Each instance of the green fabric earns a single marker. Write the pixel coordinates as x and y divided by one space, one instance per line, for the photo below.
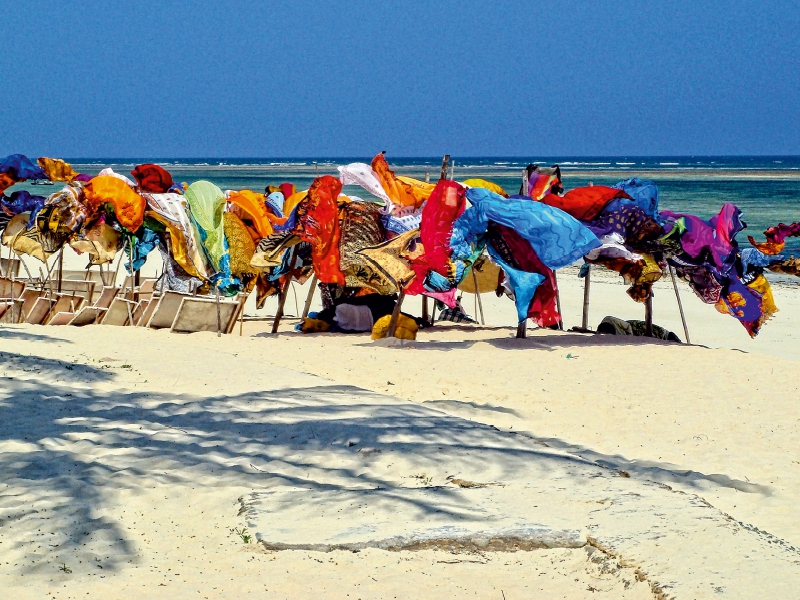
206 204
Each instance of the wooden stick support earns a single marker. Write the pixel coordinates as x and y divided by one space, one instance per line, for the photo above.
558 303
478 295
425 315
680 304
219 313
284 294
586 286
395 315
522 329
445 164
648 315
310 297
60 268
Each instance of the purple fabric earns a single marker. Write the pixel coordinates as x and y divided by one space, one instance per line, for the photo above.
20 167
627 219
717 235
83 177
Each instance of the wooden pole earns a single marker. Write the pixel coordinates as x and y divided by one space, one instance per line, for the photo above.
648 314
425 315
586 286
680 304
241 314
310 297
558 303
395 314
219 312
60 268
283 294
522 329
445 163
478 294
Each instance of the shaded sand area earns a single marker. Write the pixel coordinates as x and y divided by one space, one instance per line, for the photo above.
466 464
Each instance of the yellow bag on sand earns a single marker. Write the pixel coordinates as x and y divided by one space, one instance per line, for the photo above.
406 328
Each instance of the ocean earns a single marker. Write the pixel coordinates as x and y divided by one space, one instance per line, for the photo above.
765 188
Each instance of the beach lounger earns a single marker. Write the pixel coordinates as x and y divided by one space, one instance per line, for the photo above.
119 313
10 289
9 267
95 312
164 312
65 308
40 310
200 314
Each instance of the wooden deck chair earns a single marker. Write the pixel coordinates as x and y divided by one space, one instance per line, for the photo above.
148 311
11 311
200 314
79 288
119 313
164 312
10 289
40 310
95 312
65 308
29 298
9 267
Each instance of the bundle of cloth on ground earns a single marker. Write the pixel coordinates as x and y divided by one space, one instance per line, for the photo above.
409 236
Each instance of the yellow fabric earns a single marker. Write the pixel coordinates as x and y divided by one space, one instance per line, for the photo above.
240 245
178 244
483 183
406 328
100 241
14 236
399 191
293 200
314 325
255 207
487 273
420 189
56 169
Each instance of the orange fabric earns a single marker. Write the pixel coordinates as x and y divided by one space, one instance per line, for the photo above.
584 203
128 205
292 201
318 224
255 207
399 192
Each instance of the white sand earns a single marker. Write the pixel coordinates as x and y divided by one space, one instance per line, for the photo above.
103 475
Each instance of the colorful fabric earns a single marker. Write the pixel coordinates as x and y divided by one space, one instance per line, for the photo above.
482 183
398 191
365 176
240 246
56 169
518 255
542 181
29 240
557 238
361 227
171 210
745 304
643 193
256 208
128 205
392 259
627 220
19 167
100 241
206 206
445 205
318 224
776 238
152 178
584 203
275 201
67 211
21 201
138 247
715 236
406 328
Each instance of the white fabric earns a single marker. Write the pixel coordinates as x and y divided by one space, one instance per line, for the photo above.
363 175
353 318
110 172
612 246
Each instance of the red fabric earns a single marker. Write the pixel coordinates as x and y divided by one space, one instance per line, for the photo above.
776 238
445 205
287 189
585 203
544 308
318 224
152 178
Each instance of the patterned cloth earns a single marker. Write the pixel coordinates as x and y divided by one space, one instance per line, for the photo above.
186 248
56 169
152 178
318 224
128 205
361 228
584 203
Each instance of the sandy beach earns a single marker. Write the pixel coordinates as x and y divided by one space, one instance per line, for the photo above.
464 464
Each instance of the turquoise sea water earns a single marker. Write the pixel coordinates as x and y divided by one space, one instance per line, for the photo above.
766 189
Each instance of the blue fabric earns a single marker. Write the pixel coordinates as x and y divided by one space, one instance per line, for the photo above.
20 167
644 194
523 283
756 258
223 279
557 238
276 201
141 245
20 202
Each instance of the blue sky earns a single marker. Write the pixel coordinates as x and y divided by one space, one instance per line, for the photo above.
261 78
